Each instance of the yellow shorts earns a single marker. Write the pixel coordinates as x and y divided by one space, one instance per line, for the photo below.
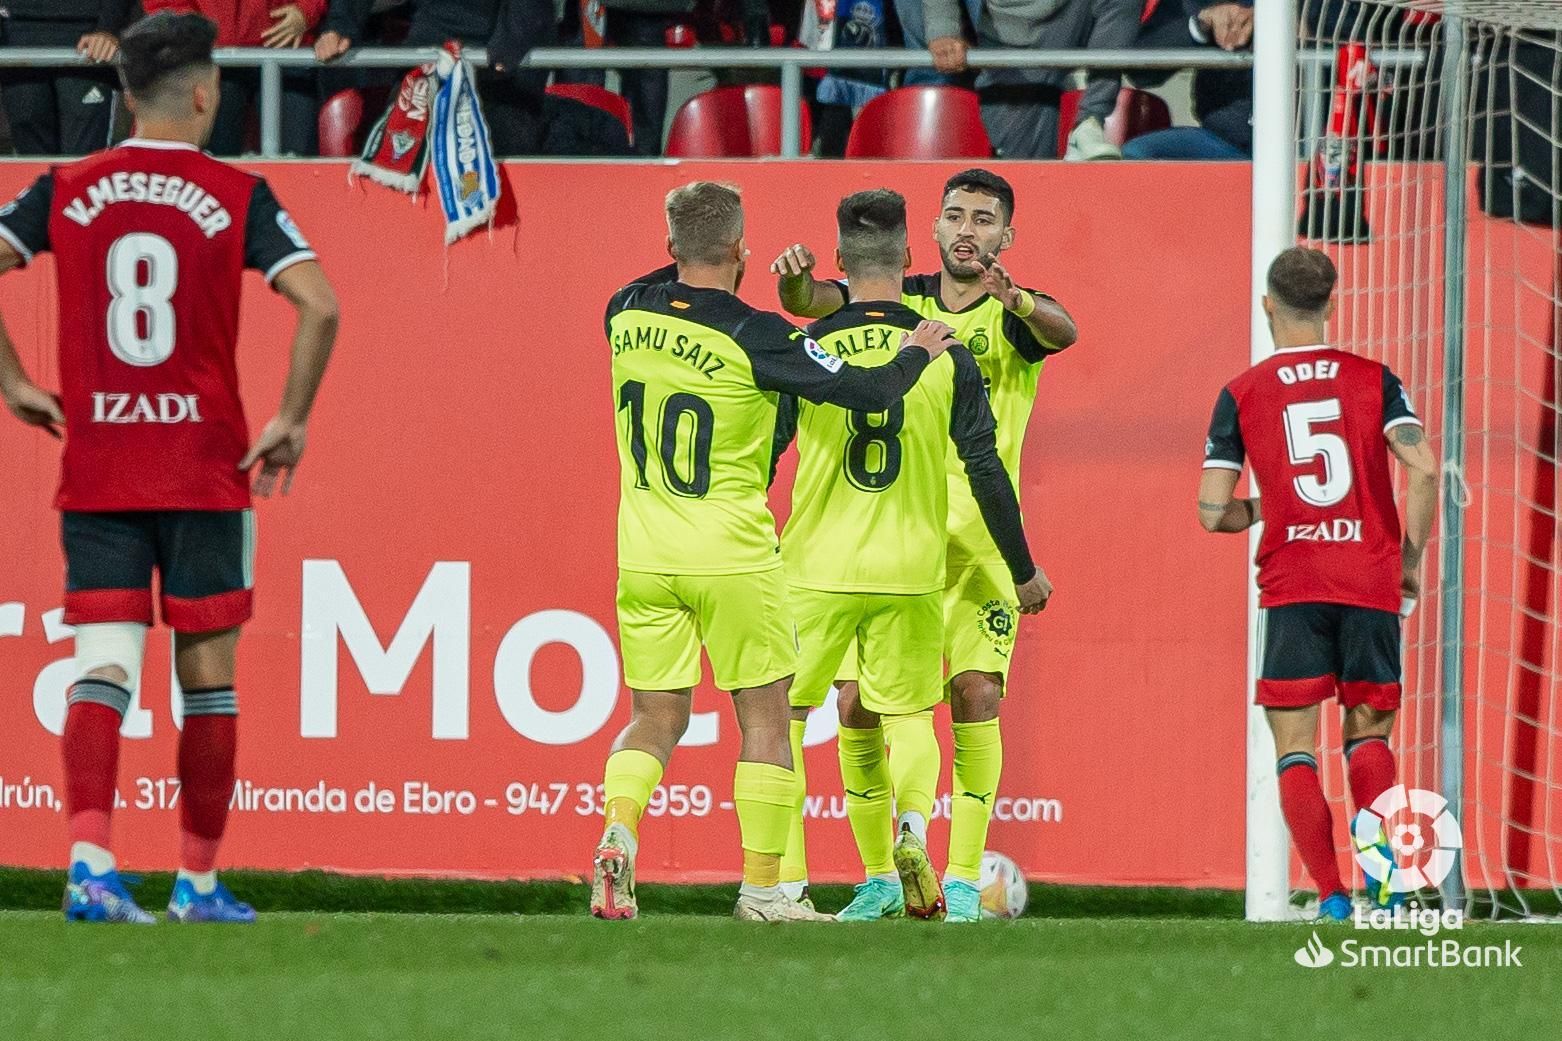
900 668
981 616
744 621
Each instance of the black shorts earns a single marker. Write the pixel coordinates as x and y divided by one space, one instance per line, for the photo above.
205 559
1313 652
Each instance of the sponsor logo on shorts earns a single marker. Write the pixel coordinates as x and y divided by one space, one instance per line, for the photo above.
995 619
145 408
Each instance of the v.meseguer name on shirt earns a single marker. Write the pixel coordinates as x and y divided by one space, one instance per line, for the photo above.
158 189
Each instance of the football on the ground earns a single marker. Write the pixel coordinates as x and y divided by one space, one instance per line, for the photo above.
1004 891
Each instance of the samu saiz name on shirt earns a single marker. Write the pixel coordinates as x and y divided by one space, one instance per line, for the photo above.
698 356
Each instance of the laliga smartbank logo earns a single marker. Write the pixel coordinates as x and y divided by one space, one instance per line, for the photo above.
1408 840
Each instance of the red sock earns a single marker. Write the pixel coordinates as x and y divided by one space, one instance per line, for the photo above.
1370 763
206 753
1312 825
90 748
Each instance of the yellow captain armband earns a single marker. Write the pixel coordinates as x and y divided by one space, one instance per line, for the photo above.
1027 305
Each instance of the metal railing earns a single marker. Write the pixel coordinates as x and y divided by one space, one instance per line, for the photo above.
790 62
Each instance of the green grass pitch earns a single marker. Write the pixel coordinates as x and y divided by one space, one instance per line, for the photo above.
385 977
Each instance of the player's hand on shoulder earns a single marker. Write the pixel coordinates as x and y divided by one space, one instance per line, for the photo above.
795 262
35 406
279 447
1035 593
933 337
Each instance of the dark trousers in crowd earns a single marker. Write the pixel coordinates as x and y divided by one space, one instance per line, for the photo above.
644 89
239 103
55 112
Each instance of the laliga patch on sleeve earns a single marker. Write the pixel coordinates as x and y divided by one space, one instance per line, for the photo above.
291 230
827 361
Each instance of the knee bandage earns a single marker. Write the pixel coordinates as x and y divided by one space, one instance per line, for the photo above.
103 644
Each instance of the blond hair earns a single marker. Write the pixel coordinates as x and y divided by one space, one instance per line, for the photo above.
704 221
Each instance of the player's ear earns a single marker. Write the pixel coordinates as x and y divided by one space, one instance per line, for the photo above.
1008 238
840 262
670 251
905 263
1328 312
1269 307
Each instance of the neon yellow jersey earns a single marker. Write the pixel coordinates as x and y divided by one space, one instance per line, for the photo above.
1011 359
870 501
697 375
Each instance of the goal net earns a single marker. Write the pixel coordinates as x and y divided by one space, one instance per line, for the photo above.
1454 283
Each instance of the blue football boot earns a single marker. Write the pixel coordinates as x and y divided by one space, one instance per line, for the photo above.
100 898
188 906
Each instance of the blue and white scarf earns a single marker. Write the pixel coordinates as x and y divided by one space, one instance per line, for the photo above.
451 133
462 152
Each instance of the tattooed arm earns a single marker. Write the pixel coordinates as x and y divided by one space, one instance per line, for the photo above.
1408 442
1218 511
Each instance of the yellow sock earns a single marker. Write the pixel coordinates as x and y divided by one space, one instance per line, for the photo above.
764 795
627 782
794 862
978 764
914 761
865 776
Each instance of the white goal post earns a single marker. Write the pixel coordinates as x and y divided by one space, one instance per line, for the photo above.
1419 142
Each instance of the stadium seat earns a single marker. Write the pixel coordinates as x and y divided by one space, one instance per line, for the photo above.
763 103
615 105
341 117
712 125
732 122
1138 113
920 123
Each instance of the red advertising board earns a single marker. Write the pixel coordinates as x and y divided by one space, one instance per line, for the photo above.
431 681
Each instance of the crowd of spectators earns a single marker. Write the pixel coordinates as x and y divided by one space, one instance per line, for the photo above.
74 110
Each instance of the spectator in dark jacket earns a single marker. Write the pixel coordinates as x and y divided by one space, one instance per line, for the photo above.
260 23
646 23
511 96
1020 106
70 111
1222 98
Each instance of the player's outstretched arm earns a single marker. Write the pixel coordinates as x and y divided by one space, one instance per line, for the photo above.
974 431
783 359
874 390
27 401
281 444
1046 319
801 293
1408 443
1218 510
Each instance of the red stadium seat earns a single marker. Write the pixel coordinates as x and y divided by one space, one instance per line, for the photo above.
615 105
732 122
920 123
763 103
712 125
341 117
1138 113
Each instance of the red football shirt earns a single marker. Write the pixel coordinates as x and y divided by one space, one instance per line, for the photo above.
1311 421
151 240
